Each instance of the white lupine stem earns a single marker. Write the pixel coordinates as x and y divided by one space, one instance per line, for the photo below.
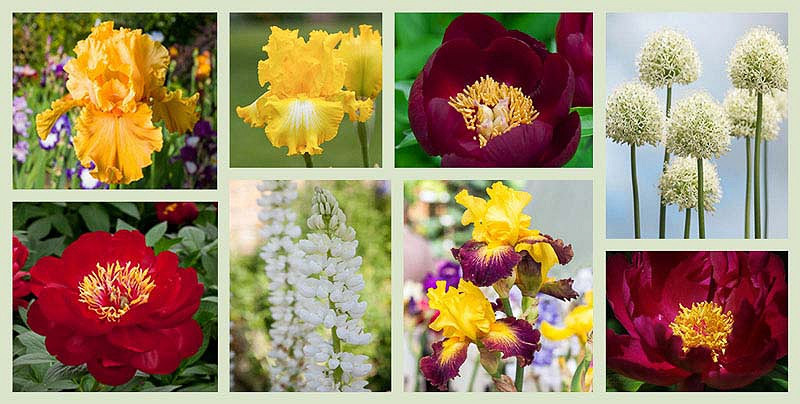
281 254
328 299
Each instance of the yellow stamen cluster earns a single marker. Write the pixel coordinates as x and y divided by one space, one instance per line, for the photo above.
704 325
112 290
170 208
492 109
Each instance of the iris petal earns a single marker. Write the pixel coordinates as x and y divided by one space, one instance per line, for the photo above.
485 265
513 337
445 362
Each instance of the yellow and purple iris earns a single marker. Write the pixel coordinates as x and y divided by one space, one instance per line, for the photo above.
464 316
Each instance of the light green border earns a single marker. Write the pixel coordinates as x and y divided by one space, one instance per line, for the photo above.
388 7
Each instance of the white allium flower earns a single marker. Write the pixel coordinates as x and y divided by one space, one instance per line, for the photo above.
678 184
281 256
328 299
759 61
633 115
668 57
781 99
698 127
740 107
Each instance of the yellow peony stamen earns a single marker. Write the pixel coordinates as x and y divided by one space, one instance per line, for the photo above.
492 109
704 325
112 290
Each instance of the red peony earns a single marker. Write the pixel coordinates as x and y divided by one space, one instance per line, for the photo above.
696 319
492 97
112 303
574 42
21 286
176 212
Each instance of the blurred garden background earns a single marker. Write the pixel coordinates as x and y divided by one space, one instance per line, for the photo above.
562 209
250 146
367 206
43 43
417 35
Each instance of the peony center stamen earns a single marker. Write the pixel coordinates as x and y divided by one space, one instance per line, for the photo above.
704 325
112 290
492 109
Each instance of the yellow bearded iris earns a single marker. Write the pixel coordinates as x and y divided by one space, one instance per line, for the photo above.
305 101
117 77
578 322
464 311
363 55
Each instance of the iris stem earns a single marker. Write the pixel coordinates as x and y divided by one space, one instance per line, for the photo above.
700 208
662 210
757 167
766 194
520 371
474 376
747 189
687 223
307 158
153 174
635 185
362 137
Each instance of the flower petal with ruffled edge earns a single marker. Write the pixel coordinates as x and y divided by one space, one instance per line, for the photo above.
445 362
48 118
513 337
119 145
463 311
484 265
364 57
301 124
178 113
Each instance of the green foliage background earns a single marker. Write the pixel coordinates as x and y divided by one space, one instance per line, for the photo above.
250 146
417 35
47 228
367 206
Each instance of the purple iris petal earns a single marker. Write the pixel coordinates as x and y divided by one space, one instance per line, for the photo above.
445 271
188 153
203 129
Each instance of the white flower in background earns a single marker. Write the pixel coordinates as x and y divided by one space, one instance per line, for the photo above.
740 107
759 62
328 299
698 127
280 253
668 57
678 184
633 115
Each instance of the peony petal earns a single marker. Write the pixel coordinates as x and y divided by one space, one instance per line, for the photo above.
513 62
553 98
566 138
46 119
302 124
624 354
513 337
454 66
477 28
179 114
445 362
418 118
523 146
111 374
484 265
447 131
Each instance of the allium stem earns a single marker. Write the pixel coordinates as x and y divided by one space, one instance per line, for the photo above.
757 167
635 186
662 212
307 158
362 137
747 190
687 223
766 194
700 208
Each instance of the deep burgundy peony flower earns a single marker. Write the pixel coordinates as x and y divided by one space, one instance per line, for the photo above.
21 286
112 303
695 319
574 42
492 97
176 212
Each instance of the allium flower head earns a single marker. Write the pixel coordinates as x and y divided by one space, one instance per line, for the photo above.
363 54
759 62
305 100
633 115
668 57
698 127
741 107
117 78
678 184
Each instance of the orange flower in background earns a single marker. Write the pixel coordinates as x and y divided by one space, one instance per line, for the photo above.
117 78
203 63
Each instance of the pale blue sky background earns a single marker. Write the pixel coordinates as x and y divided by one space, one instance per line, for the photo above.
714 35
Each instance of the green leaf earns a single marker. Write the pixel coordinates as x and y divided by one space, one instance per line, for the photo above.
576 385
34 359
61 385
40 228
127 208
618 382
408 140
166 388
165 243
193 238
155 234
60 371
95 217
122 225
33 341
61 224
210 265
201 387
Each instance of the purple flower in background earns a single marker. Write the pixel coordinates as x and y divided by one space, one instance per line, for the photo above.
21 151
203 129
87 181
549 310
545 355
21 122
62 126
445 271
21 72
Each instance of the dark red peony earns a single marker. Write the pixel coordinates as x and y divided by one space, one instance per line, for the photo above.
696 319
574 42
492 97
21 285
112 303
176 212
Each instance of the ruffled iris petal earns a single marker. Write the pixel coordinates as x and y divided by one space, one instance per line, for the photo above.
178 113
302 124
48 118
484 265
445 362
513 338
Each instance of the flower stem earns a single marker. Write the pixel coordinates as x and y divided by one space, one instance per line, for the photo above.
307 158
474 376
687 223
520 371
747 190
635 185
766 195
153 174
700 208
362 137
662 212
757 167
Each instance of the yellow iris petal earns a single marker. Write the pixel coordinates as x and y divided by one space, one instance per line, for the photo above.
253 114
463 311
500 219
541 252
302 124
118 144
364 57
48 118
178 113
578 322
